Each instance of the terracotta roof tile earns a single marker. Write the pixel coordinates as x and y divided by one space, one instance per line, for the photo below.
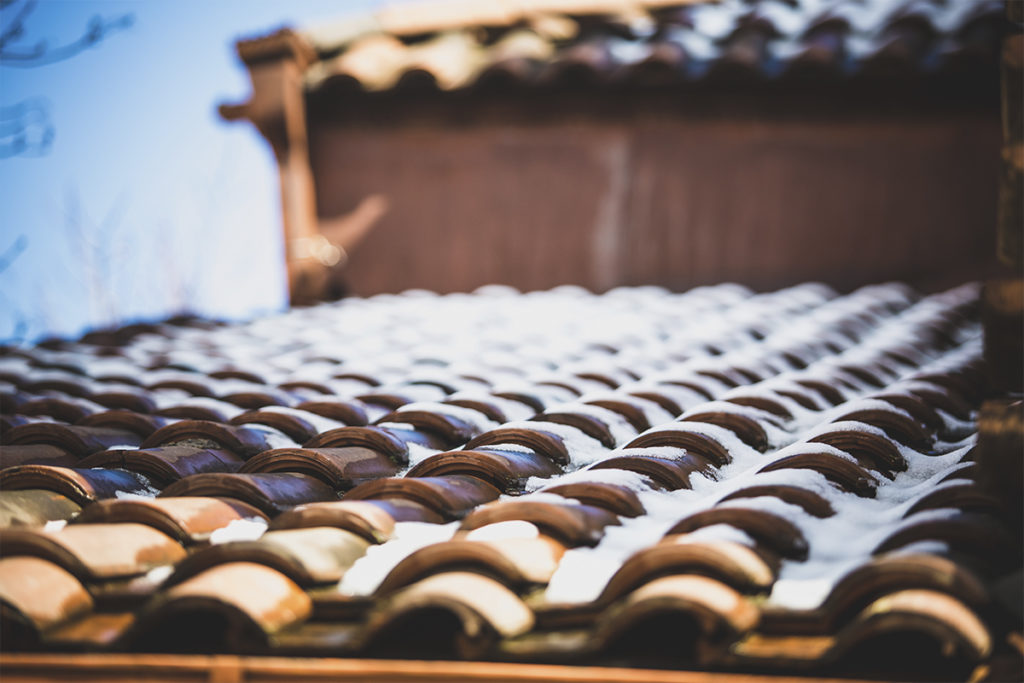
86 550
449 496
77 440
271 493
80 485
126 419
308 556
505 469
451 46
299 425
571 524
188 520
163 466
781 481
734 564
36 454
370 519
62 409
615 498
519 563
237 606
243 441
721 613
485 609
35 507
42 593
339 468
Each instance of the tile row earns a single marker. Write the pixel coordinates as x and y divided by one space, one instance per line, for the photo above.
663 43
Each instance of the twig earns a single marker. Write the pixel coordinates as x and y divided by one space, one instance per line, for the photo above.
40 54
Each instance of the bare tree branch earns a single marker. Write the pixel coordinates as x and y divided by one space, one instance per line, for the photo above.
9 256
12 252
42 54
25 129
16 27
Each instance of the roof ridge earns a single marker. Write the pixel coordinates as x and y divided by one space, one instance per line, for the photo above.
435 16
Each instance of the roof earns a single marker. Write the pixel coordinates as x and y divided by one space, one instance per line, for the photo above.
714 479
454 45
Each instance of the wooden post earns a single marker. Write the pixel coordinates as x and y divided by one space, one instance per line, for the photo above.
1003 303
277 108
1011 196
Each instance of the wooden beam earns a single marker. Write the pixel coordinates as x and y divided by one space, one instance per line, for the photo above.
1011 194
1003 302
277 108
149 667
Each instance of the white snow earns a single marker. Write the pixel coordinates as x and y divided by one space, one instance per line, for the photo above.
370 570
503 531
247 529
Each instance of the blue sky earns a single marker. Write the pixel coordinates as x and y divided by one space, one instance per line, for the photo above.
147 203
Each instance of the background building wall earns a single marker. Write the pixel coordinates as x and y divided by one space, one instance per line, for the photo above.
743 189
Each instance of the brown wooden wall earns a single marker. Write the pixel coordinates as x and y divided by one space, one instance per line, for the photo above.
606 192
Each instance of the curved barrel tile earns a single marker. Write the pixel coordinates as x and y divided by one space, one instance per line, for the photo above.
735 565
243 441
517 563
720 614
450 430
901 571
298 425
889 630
774 532
349 413
80 441
872 450
616 499
505 470
844 472
896 424
628 410
571 524
588 424
36 454
378 439
35 507
339 468
484 611
449 496
543 443
979 536
135 422
745 427
235 607
64 409
308 556
270 493
665 470
371 519
678 435
164 466
96 552
188 520
811 502
41 594
962 495
82 486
